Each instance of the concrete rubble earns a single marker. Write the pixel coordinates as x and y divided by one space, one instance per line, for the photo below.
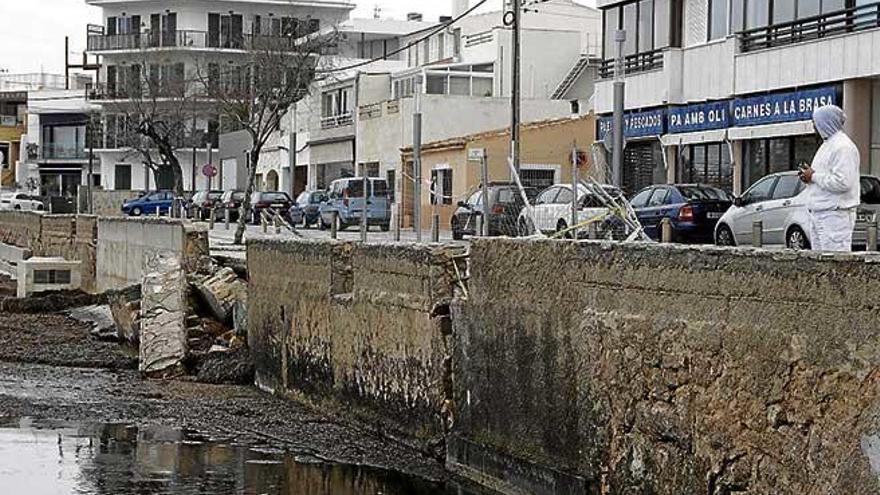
100 318
163 339
220 291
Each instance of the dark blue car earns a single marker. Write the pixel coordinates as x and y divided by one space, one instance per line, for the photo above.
693 210
149 203
307 209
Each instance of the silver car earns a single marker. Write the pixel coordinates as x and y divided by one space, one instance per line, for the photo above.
779 202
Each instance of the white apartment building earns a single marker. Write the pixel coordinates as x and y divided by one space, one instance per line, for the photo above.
463 71
721 91
175 41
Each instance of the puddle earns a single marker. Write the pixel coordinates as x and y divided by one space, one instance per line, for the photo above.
40 457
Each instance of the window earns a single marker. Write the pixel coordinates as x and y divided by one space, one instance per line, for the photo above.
564 197
391 180
659 197
630 25
788 186
784 11
718 19
808 8
760 192
227 31
456 43
707 164
482 86
538 178
661 23
641 199
436 85
122 177
548 196
612 20
459 85
441 45
441 186
427 47
646 26
756 13
380 188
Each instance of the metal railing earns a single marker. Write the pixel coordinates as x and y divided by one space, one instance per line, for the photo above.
335 121
478 38
640 62
810 28
58 151
104 91
188 39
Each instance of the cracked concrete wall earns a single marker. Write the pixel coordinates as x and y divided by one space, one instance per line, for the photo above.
20 228
599 368
360 325
57 237
123 243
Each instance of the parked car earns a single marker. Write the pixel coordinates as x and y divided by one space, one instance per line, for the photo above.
202 202
306 211
231 201
345 197
265 200
149 203
505 204
551 212
693 210
779 202
20 201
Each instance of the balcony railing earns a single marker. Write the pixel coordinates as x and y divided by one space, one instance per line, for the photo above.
810 28
105 91
188 39
640 62
335 121
59 151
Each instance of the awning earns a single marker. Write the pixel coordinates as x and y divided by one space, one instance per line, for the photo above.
771 130
714 136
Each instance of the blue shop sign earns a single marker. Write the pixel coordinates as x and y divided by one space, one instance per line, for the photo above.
781 107
699 117
638 124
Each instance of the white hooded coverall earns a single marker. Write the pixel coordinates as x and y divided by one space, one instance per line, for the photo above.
834 192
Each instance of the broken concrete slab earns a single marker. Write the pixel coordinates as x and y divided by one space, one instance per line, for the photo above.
125 308
163 342
220 291
100 318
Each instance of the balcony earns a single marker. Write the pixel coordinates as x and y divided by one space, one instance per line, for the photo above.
335 121
817 27
63 151
187 39
640 62
11 121
109 92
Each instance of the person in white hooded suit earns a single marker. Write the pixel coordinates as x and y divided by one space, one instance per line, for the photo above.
833 183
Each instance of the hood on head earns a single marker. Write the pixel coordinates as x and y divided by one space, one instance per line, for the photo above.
828 120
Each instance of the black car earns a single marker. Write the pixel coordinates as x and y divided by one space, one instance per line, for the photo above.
307 209
231 202
505 203
692 209
276 201
202 202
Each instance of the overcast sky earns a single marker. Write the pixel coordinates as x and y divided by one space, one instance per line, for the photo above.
32 32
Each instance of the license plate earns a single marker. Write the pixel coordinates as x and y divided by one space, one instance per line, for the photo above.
714 215
278 205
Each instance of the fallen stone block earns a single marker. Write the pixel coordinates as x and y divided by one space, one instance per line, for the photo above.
125 309
163 339
220 292
101 320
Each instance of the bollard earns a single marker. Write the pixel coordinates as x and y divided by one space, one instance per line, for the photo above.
593 231
226 215
211 220
435 228
263 222
872 236
158 212
478 224
757 233
277 221
666 230
396 228
333 232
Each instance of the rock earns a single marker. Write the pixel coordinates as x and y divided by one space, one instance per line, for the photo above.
220 292
125 308
230 366
163 342
100 318
240 318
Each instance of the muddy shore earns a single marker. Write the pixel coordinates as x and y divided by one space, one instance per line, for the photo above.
50 367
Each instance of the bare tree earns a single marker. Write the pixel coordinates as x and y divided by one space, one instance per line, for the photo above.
273 73
151 110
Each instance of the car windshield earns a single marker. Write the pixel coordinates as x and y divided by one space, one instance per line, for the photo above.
303 198
703 192
870 190
215 194
380 188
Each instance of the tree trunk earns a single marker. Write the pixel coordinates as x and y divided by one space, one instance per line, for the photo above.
248 192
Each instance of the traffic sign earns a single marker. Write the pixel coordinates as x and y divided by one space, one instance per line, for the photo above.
476 154
209 170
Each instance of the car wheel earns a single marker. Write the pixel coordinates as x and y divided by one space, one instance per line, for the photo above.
136 211
561 226
797 239
305 222
724 236
340 225
17 207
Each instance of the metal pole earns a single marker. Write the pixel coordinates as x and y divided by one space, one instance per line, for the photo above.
291 159
757 233
618 123
91 179
872 236
516 88
574 190
417 161
397 227
211 162
66 62
365 210
435 228
666 230
333 225
193 183
484 215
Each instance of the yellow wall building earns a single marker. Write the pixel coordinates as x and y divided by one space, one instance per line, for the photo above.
545 150
13 125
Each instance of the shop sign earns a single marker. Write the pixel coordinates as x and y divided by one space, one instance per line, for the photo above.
636 124
781 107
699 117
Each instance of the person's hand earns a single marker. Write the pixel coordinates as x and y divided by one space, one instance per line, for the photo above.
806 175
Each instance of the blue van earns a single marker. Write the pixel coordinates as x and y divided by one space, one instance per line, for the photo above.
346 198
148 203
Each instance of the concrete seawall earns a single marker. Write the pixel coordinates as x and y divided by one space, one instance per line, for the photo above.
597 368
365 326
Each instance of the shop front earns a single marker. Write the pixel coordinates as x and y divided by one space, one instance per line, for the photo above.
698 140
643 160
